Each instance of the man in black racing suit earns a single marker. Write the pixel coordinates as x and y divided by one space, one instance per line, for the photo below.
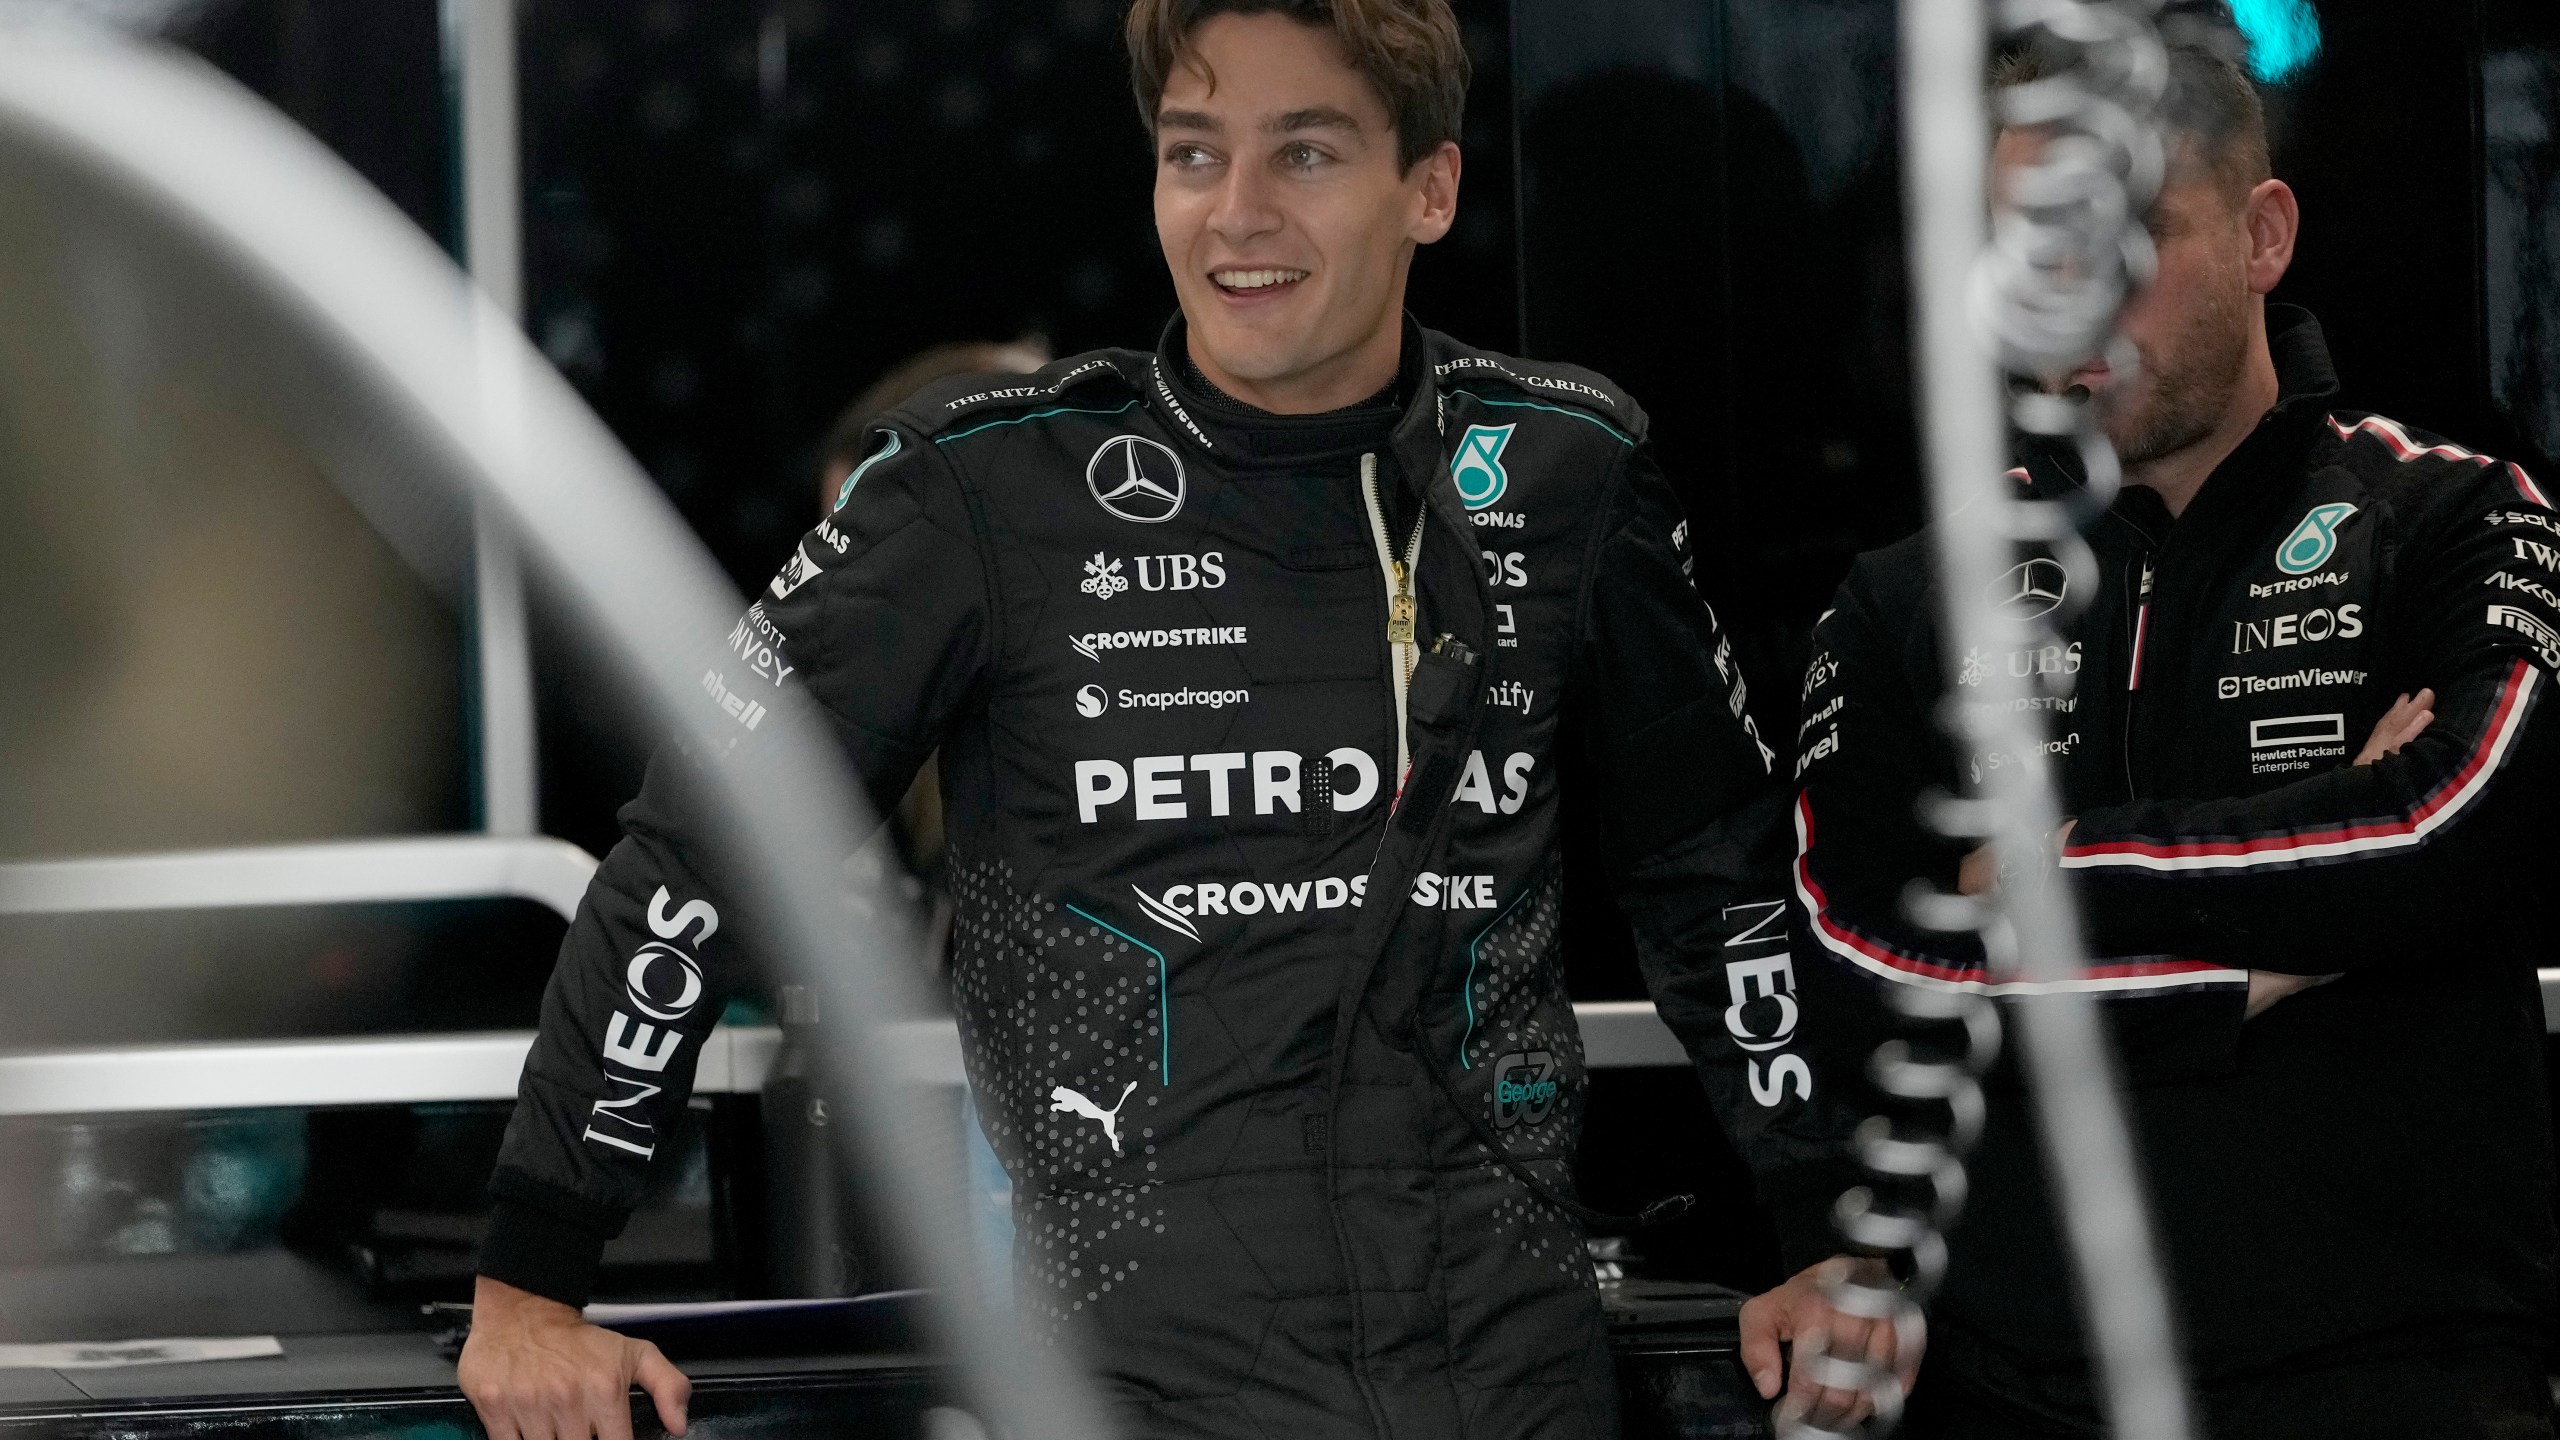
2352 1187
1252 727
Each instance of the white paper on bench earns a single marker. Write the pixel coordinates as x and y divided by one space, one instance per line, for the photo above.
702 1309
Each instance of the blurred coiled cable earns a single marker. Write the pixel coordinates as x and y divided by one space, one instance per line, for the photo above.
2037 298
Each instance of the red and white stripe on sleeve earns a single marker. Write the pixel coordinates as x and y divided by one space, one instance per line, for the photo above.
2358 839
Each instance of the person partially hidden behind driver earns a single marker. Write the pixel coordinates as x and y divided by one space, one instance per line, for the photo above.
2302 727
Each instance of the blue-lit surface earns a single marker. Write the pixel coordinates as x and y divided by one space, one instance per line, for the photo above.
2284 35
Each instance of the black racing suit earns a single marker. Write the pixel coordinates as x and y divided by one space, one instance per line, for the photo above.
2364 1171
1152 635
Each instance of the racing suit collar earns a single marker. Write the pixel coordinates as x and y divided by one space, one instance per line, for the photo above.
1251 438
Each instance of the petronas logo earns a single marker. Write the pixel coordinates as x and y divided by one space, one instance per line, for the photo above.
2314 540
1478 465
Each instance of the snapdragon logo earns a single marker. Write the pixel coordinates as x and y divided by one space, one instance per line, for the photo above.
1092 701
1179 908
1183 699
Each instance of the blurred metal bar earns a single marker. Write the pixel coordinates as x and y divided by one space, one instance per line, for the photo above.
1626 1035
388 1070
550 872
378 1070
480 66
480 61
424 1069
503 653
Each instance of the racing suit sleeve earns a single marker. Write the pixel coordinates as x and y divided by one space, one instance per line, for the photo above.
2348 867
882 615
1867 751
1696 824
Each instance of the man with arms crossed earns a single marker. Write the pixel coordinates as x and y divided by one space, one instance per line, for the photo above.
1253 663
2351 1180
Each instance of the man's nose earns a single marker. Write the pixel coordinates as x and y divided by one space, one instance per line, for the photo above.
1245 208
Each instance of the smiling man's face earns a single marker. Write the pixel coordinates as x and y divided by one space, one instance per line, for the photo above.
1286 220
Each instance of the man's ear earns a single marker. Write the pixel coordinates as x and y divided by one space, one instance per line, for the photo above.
2273 218
1435 181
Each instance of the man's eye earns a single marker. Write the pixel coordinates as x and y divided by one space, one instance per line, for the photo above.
1301 156
1189 157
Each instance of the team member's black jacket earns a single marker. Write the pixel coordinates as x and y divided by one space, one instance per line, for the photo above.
1221 993
2367 1166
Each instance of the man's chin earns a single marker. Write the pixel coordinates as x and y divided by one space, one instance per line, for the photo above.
2141 445
1255 363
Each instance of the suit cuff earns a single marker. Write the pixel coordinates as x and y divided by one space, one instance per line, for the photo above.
536 1250
1805 1233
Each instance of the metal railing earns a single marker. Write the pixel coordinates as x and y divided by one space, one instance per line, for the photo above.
552 873
483 1065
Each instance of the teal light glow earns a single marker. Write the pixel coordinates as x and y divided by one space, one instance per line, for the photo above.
2284 36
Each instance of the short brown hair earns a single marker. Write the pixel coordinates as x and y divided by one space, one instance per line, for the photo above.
2211 111
1408 50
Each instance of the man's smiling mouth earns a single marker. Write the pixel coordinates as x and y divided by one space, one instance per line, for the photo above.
1256 282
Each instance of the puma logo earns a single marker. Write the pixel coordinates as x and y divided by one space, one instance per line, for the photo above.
1063 1101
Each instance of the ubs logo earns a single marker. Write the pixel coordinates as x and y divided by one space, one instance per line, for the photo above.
1136 479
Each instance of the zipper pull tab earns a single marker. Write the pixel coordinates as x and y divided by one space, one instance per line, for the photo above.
2146 579
1400 610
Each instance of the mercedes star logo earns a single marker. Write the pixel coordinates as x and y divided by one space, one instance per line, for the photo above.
2030 590
1136 479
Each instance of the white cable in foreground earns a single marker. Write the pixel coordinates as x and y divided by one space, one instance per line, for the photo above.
1978 518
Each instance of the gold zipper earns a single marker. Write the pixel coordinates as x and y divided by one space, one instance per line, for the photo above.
1404 649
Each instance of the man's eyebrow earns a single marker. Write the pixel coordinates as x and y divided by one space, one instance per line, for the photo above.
1314 117
1189 120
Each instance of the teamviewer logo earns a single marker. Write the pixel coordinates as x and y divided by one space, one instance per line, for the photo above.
2228 688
